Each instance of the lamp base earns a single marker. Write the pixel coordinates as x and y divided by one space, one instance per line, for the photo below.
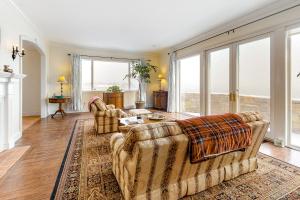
61 89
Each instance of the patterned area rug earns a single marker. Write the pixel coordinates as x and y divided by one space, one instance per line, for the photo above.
86 173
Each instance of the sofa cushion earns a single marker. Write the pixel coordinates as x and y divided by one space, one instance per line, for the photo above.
149 132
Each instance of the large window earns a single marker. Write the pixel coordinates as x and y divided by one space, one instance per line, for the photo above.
189 69
99 75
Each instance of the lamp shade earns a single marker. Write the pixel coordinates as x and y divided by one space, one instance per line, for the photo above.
61 79
160 76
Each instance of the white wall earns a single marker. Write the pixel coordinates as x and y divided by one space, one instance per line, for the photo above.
31 83
60 64
14 25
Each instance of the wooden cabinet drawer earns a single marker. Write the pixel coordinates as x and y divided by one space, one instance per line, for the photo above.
160 99
116 99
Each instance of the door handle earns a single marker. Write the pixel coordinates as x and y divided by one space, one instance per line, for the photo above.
232 96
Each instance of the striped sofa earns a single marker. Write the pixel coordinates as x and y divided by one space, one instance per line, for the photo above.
106 117
151 161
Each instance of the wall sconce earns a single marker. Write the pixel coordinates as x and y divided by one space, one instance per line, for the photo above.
16 52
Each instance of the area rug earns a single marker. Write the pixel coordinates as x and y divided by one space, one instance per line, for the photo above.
86 173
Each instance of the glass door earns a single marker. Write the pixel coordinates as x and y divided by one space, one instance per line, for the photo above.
189 85
294 68
218 81
254 76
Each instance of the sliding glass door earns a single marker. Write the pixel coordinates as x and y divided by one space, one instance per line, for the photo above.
218 81
189 84
238 78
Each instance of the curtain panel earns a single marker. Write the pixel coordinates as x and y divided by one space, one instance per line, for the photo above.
76 86
172 84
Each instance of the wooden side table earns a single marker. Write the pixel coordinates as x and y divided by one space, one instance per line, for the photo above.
160 99
60 101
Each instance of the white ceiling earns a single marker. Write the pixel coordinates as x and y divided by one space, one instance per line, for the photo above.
132 25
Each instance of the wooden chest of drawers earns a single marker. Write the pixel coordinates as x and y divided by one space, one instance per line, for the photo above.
116 99
160 99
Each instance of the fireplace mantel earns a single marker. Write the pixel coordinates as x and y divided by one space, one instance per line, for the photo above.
10 117
11 75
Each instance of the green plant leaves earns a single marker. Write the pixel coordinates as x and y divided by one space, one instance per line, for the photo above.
114 88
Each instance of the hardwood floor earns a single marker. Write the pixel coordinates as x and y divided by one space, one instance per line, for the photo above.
285 154
34 175
29 121
9 157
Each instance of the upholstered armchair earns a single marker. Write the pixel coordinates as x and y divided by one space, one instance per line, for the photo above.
106 116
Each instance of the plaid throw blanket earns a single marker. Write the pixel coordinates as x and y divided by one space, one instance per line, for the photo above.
210 136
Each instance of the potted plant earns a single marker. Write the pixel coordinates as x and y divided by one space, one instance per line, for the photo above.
141 71
114 89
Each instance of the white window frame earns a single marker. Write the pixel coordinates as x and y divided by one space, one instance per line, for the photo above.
289 86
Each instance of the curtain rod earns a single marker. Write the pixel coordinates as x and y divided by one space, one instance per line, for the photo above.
233 29
105 57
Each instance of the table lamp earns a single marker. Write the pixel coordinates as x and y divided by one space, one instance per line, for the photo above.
160 78
61 80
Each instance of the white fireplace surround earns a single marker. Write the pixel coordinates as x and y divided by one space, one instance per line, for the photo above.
10 122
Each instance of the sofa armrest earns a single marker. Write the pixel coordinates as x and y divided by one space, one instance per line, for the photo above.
250 116
94 108
116 142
